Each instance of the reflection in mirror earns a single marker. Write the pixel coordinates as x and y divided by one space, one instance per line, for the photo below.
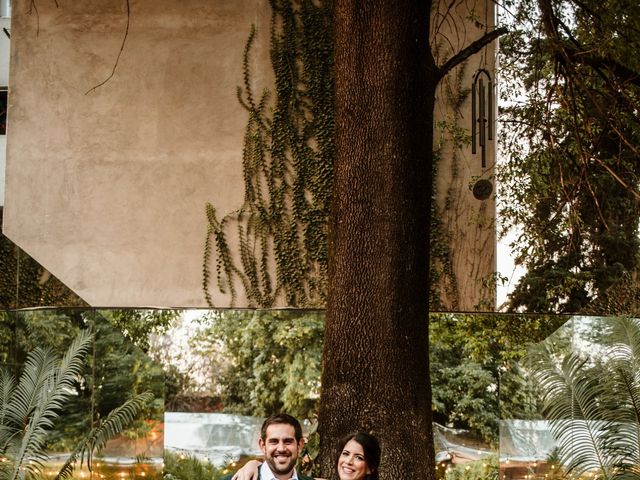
234 367
580 396
108 387
215 374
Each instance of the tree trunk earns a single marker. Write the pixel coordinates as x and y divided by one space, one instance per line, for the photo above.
375 364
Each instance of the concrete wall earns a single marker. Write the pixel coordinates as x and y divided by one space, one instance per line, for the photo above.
106 188
469 222
5 22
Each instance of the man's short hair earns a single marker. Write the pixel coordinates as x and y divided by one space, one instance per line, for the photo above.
279 418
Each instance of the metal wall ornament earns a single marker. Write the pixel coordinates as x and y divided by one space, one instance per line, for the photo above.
482 126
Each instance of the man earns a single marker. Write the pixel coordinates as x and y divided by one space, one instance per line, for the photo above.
281 443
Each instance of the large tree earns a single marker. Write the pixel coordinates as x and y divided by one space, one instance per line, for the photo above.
376 359
571 137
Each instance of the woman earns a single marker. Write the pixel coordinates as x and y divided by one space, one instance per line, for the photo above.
358 459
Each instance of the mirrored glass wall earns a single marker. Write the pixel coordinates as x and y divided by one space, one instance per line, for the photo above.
213 375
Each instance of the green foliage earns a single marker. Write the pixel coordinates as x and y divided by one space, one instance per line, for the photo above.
7 336
592 400
138 325
288 173
30 407
287 166
115 371
571 139
469 356
182 467
115 423
24 283
483 469
275 360
119 369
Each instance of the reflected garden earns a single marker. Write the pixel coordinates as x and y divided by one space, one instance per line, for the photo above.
213 375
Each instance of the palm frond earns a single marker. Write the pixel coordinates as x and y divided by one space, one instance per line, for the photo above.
593 403
7 386
44 387
572 407
115 423
625 334
39 365
630 473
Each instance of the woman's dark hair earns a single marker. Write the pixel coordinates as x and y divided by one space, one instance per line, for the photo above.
370 447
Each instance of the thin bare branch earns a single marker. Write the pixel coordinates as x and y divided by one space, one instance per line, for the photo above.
115 65
472 48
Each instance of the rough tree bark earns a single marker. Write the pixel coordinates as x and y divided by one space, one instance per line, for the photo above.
375 364
376 361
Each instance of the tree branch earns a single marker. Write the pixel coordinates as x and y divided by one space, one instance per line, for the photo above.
124 40
622 72
472 48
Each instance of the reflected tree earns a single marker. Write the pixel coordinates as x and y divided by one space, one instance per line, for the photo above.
273 362
571 140
472 358
115 370
30 407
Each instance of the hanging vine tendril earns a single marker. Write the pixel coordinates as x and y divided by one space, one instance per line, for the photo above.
287 164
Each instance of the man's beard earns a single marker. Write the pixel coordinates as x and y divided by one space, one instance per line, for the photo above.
279 468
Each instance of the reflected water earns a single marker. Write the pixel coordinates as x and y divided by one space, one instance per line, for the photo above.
216 437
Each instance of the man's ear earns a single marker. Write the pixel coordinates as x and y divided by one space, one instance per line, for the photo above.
300 444
261 444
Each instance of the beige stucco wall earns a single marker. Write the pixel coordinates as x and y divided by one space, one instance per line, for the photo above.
5 22
470 222
107 189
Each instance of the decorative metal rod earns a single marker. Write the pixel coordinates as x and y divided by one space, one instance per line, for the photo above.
481 113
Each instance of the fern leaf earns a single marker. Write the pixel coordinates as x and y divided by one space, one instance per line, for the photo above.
7 386
51 383
115 423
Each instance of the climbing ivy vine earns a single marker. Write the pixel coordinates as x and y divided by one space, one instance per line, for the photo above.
287 164
444 283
